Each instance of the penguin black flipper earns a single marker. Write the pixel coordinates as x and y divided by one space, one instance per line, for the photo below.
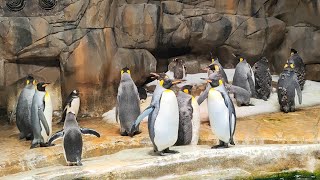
54 137
144 114
298 89
89 131
231 109
204 95
44 121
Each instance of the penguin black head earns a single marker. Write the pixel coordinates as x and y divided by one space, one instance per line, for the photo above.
30 79
41 86
293 51
75 92
178 61
239 57
187 89
215 79
165 81
125 70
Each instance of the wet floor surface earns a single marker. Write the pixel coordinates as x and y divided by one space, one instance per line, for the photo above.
300 127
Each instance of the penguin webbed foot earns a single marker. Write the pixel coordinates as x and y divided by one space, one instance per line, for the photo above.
170 151
221 145
124 133
22 136
34 146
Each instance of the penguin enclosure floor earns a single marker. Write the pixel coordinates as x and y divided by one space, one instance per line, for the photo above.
300 127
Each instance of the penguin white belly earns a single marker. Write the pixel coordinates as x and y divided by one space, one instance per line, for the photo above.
75 105
48 115
218 116
167 121
195 122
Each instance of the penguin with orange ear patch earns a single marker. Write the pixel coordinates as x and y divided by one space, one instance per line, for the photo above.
221 111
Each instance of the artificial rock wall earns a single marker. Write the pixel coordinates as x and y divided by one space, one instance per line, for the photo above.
87 42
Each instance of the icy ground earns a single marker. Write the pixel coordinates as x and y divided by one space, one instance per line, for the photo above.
310 97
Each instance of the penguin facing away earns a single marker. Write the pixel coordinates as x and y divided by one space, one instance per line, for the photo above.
263 79
244 76
189 117
72 104
179 70
163 120
128 104
221 111
286 87
216 66
41 116
299 67
23 110
72 139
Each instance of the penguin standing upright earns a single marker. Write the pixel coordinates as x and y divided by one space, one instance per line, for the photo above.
41 116
72 104
221 111
244 76
72 139
287 84
299 67
263 79
24 109
189 117
163 120
216 66
179 70
128 104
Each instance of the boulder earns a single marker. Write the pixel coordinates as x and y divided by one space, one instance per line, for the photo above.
136 26
172 7
313 72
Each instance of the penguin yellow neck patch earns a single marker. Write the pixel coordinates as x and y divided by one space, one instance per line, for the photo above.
220 82
28 81
216 67
212 60
292 66
286 65
161 82
292 53
186 91
241 59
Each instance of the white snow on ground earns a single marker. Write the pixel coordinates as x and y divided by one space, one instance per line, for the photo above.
310 97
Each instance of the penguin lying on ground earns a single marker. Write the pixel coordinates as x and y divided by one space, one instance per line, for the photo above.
221 111
244 76
163 120
263 79
41 116
299 67
128 104
287 84
179 69
241 95
72 139
72 104
23 110
189 117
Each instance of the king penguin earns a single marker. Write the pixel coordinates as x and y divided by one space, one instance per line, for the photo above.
263 79
128 104
24 109
244 76
287 84
72 104
299 67
41 116
189 117
163 120
221 111
179 70
241 95
72 139
216 66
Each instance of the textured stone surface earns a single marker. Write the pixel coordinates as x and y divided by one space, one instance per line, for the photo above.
313 72
80 34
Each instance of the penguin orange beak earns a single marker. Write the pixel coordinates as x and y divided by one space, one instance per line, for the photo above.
209 81
46 84
177 81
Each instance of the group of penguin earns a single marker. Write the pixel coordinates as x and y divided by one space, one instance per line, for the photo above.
173 118
34 120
